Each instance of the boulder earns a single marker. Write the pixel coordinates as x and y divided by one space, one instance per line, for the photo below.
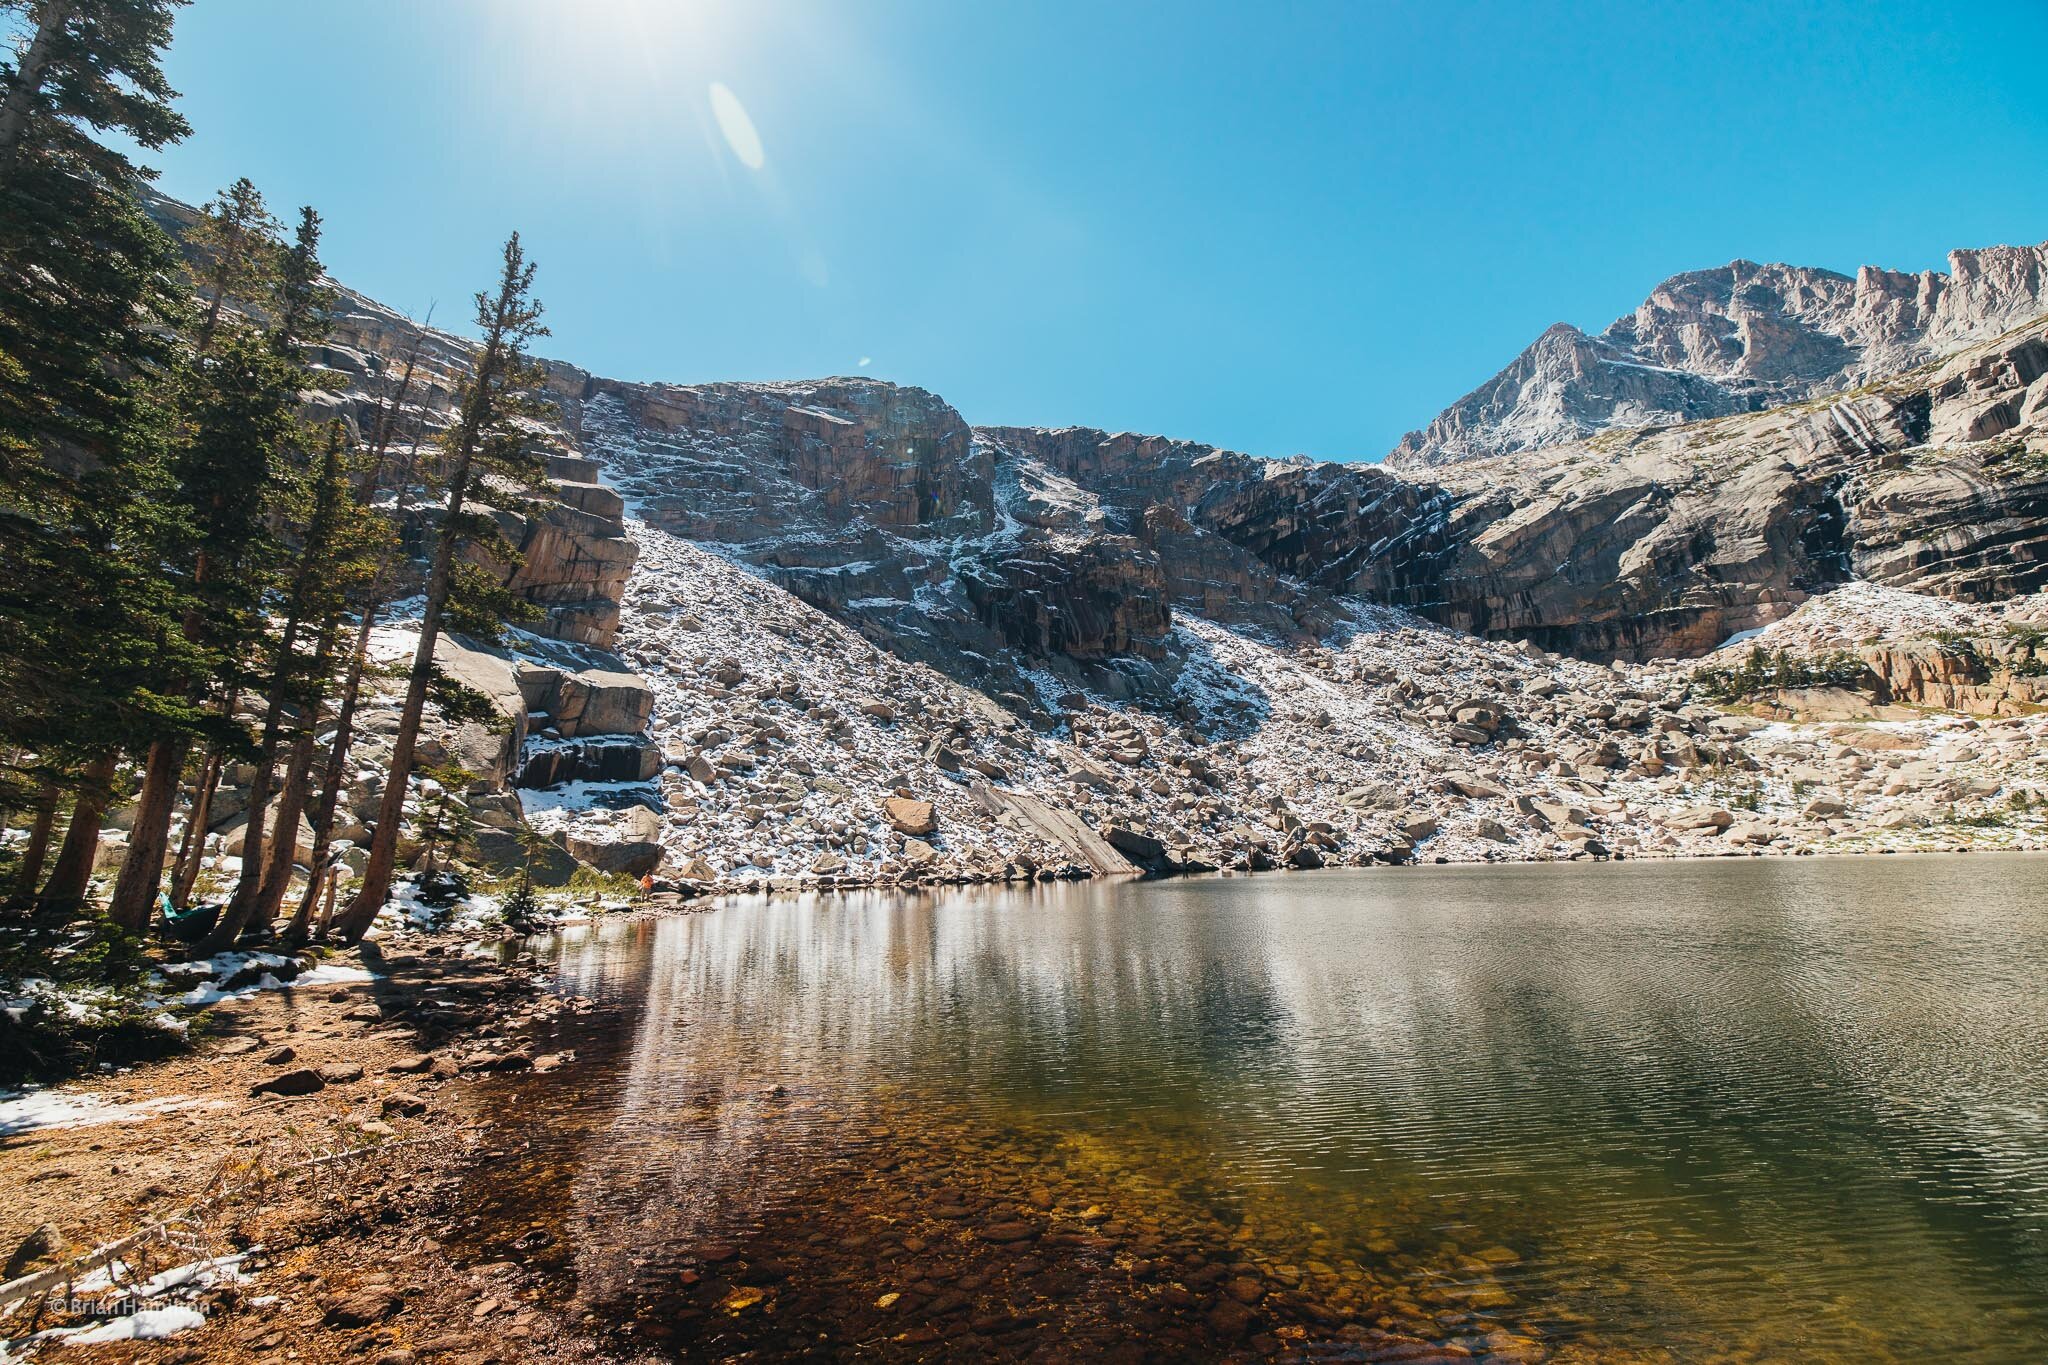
500 850
1557 813
1710 819
1416 824
1139 848
910 817
630 845
489 750
601 702
1305 856
303 1080
1467 784
604 758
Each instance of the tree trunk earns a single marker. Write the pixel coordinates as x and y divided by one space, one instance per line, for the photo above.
362 910
65 891
327 910
242 905
28 82
335 774
143 870
277 875
192 848
38 851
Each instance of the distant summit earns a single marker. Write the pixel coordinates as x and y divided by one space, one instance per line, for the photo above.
1739 338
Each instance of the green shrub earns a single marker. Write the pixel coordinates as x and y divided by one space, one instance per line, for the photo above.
1767 670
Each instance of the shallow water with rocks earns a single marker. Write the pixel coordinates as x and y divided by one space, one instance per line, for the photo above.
1739 1110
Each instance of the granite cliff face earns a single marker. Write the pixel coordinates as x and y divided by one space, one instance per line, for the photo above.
829 632
1665 542
1741 338
878 504
1026 561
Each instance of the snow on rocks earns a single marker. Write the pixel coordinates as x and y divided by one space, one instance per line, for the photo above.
35 1111
786 734
1861 612
798 753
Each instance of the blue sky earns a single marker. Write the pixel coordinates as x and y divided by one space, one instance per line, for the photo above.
1279 227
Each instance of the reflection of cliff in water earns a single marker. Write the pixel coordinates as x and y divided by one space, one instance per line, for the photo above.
1735 1086
772 1034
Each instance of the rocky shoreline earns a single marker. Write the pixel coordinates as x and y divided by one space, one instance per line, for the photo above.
292 1187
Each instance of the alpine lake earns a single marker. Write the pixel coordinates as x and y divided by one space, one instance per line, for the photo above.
1735 1110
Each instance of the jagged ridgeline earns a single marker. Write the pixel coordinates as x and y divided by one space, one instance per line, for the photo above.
991 552
843 634
828 631
1741 338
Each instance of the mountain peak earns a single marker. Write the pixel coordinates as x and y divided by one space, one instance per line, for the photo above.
1734 338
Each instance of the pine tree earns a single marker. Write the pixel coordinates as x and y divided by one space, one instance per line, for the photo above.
87 305
487 437
301 319
236 399
89 63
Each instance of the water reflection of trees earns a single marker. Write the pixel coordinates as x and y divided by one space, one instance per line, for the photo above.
1679 1069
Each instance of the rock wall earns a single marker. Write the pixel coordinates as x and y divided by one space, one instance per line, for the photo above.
1995 675
1666 542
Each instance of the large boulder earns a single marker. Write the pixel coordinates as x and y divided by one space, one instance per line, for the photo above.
630 843
1140 848
500 850
910 817
488 749
601 702
603 758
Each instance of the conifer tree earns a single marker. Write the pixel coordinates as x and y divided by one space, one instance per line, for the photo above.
236 401
301 318
93 64
360 550
87 305
486 437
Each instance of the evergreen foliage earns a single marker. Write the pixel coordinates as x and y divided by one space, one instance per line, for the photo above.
1763 670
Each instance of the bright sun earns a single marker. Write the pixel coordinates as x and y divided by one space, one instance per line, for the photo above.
642 64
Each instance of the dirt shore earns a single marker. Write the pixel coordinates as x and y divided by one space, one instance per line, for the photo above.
338 1196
